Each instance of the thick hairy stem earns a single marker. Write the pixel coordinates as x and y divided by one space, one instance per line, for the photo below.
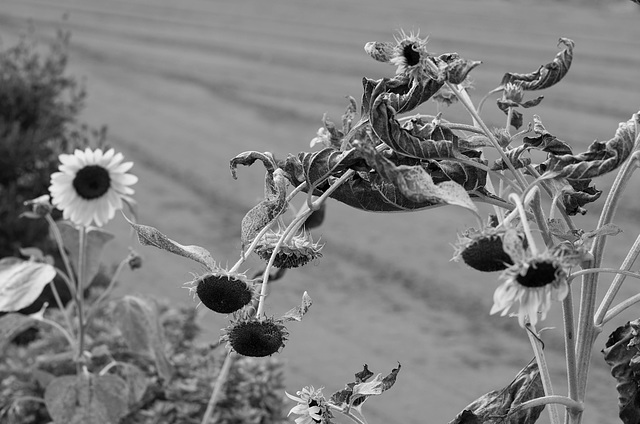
217 388
536 345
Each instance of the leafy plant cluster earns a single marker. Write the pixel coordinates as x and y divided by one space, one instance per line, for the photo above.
137 388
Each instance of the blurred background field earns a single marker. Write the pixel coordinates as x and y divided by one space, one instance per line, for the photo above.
185 86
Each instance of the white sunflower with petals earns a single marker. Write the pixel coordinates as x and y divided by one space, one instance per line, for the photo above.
91 186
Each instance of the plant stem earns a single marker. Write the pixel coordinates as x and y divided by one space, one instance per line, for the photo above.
619 308
63 254
62 308
570 347
80 295
60 328
548 400
536 345
621 272
93 308
525 222
617 282
217 388
348 414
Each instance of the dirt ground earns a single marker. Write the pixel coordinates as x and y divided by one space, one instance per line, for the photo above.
185 87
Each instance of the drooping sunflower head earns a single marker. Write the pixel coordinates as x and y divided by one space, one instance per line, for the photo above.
482 250
222 291
250 336
533 282
91 186
294 252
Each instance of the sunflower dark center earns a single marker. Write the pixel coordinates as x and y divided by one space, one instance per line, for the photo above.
411 55
92 182
539 274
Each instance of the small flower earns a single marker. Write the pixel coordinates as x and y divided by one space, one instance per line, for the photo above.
250 336
222 291
409 54
513 92
134 260
294 252
482 250
311 406
533 281
91 186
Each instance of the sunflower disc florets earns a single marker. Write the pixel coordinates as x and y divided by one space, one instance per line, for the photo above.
312 406
483 251
294 252
222 291
250 336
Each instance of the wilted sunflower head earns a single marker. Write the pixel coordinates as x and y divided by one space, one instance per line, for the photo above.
533 282
222 291
482 250
250 336
294 252
409 54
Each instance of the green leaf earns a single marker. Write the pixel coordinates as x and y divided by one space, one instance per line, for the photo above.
21 282
96 239
622 354
86 399
139 323
602 157
11 325
150 236
136 380
548 74
415 183
355 394
503 403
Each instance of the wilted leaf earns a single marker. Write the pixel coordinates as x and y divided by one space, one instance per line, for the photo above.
602 157
545 141
415 183
458 69
21 282
248 158
402 93
274 204
356 393
500 406
86 399
10 326
96 239
381 51
140 325
622 353
547 75
298 312
150 236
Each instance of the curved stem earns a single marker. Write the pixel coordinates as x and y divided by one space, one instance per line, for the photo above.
348 414
63 253
619 308
61 307
217 388
60 328
549 400
570 344
525 222
621 272
617 282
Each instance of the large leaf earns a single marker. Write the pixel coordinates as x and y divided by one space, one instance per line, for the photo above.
402 93
139 323
150 236
415 183
548 74
86 399
622 353
21 282
602 157
96 239
500 406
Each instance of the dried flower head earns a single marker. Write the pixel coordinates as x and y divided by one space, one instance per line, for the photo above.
482 250
250 336
294 252
222 291
91 186
311 406
513 91
409 54
533 281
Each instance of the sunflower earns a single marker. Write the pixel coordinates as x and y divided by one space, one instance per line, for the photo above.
91 186
311 406
533 281
409 54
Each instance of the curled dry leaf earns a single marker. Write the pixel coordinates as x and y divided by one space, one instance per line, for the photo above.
548 74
